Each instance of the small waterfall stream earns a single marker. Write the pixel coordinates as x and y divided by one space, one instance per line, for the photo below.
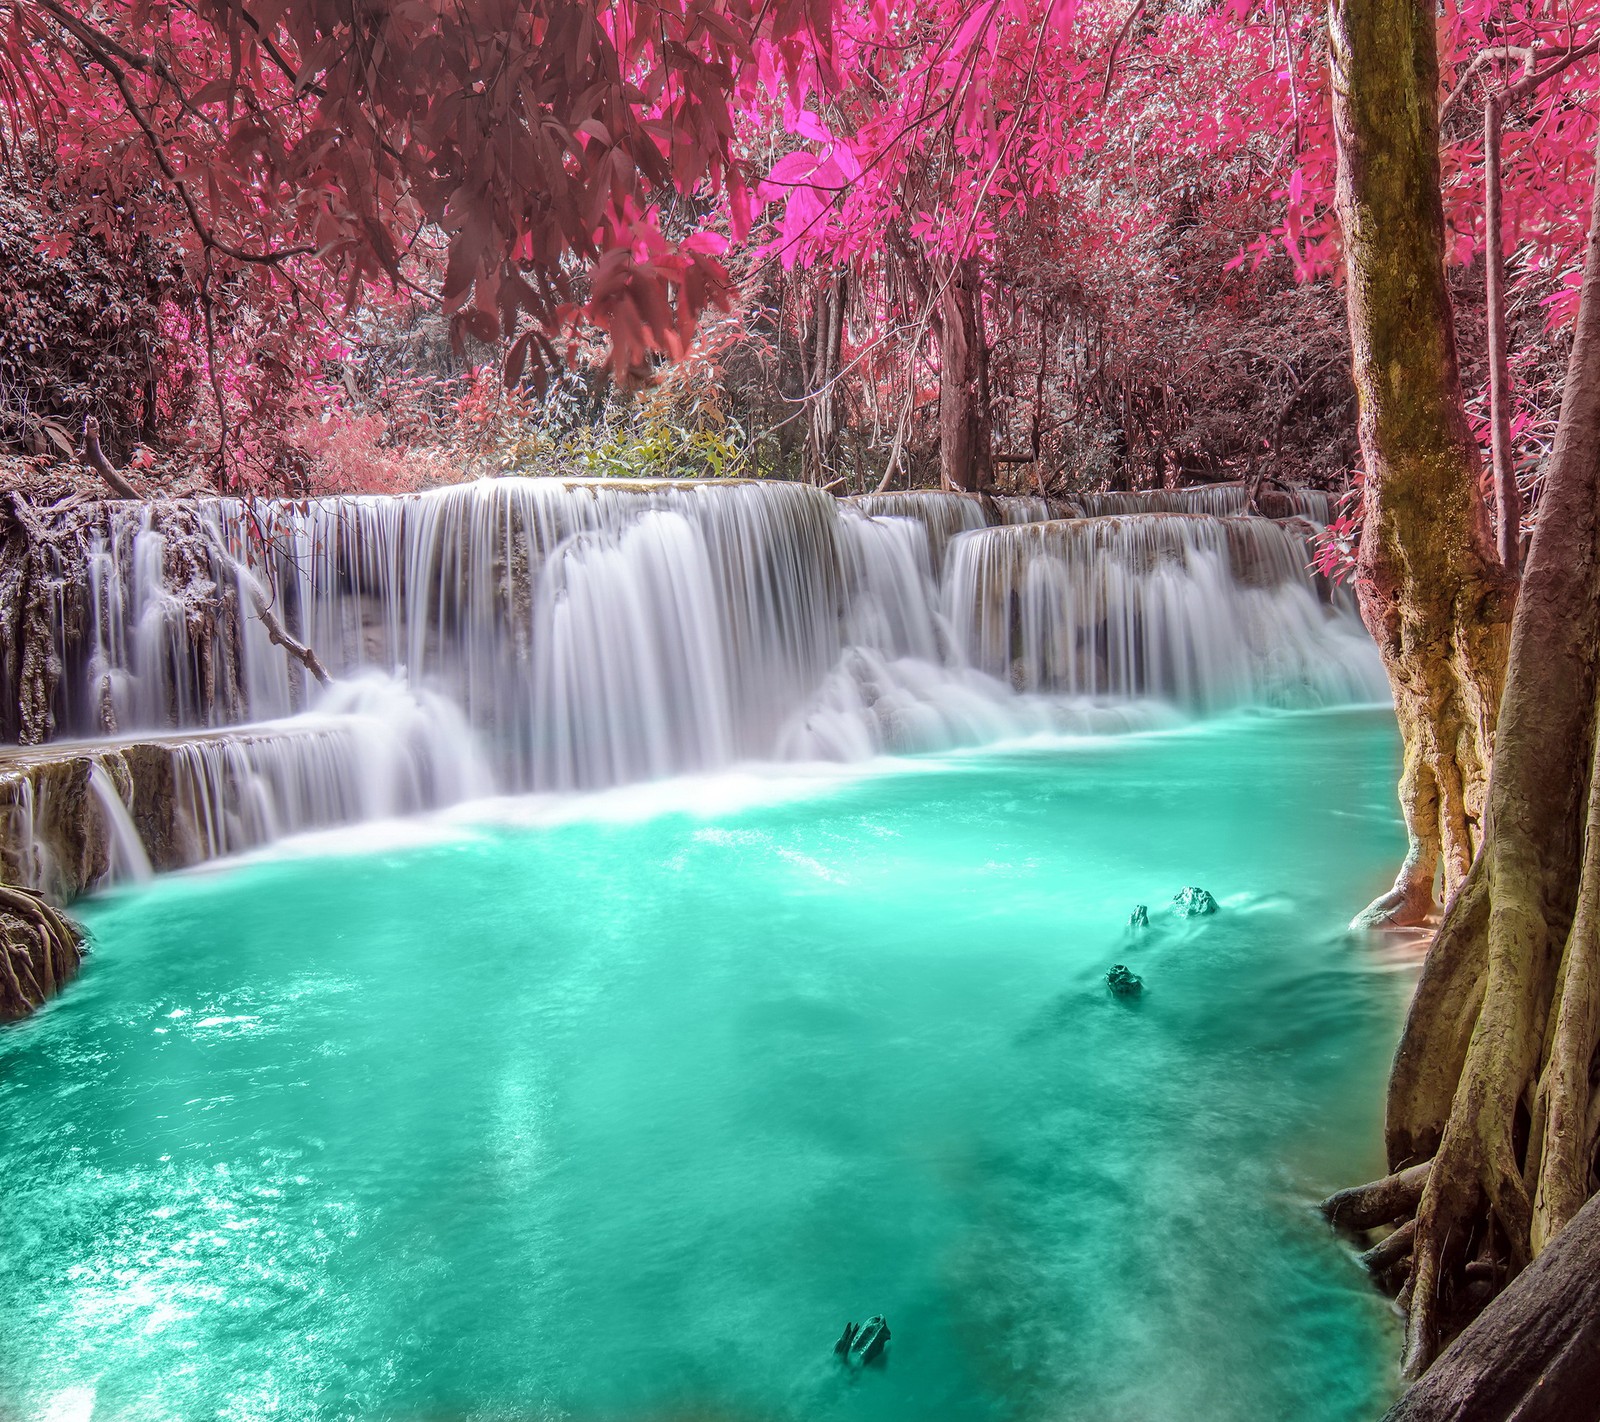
522 635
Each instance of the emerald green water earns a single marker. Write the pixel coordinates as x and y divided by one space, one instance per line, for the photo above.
623 1116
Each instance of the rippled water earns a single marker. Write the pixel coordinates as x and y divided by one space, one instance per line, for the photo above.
621 1115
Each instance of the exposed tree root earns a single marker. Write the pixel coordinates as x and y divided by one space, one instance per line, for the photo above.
1390 1251
1380 1203
39 951
1534 1354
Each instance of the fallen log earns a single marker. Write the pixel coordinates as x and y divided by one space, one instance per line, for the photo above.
1533 1355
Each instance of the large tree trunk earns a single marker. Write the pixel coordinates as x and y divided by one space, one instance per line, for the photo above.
1534 1354
1429 582
964 427
1494 1081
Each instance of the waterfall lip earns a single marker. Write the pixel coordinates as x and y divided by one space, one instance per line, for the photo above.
311 722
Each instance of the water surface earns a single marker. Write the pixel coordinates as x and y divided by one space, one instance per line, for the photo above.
623 1116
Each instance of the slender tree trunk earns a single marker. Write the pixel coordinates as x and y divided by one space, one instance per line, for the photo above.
822 426
964 426
1507 497
1494 1081
1429 583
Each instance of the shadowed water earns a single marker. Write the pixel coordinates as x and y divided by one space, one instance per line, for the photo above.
623 1115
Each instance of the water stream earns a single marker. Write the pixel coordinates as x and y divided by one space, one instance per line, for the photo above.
618 1106
680 928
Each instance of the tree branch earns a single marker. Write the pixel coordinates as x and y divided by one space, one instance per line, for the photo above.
111 57
258 601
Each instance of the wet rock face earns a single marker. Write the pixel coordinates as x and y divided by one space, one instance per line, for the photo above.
53 836
44 603
1192 903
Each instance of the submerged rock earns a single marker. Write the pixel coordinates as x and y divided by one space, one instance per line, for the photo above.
1140 917
1192 902
864 1345
1124 983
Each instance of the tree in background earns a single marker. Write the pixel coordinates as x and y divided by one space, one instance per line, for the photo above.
512 161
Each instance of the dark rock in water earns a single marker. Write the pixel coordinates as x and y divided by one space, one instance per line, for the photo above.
1123 983
864 1345
1140 917
1192 902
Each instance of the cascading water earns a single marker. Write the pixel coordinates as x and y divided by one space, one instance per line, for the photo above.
373 749
552 635
1205 613
1219 500
127 858
945 513
92 813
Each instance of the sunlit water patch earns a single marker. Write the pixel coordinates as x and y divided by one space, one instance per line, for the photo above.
622 1117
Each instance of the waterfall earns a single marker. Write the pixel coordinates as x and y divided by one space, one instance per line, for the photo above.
517 635
87 813
126 856
1219 500
1205 613
372 750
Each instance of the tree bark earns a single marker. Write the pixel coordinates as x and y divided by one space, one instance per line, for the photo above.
1494 1080
822 432
1534 1354
1507 496
964 424
1429 582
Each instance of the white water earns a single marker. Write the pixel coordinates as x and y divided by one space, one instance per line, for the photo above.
372 750
126 851
944 514
523 635
1204 613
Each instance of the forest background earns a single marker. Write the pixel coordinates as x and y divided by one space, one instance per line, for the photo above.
1034 245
